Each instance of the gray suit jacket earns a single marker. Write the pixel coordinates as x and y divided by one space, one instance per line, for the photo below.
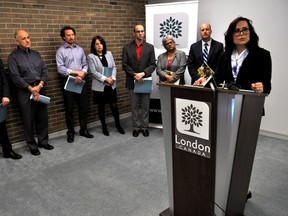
131 65
97 70
195 58
178 65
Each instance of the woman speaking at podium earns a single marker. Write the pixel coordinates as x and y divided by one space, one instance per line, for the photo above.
244 65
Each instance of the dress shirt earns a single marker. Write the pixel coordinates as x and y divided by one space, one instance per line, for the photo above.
70 58
26 67
208 47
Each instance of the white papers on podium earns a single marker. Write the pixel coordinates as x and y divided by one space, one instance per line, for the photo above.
145 87
43 99
107 71
3 112
71 86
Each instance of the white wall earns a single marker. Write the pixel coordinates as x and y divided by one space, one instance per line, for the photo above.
270 21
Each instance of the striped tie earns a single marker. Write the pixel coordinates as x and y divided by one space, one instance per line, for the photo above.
205 53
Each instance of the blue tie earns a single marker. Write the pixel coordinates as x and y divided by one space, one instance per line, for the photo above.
205 53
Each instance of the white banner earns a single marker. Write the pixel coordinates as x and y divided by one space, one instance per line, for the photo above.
178 19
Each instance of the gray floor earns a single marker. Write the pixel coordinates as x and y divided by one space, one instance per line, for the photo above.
121 175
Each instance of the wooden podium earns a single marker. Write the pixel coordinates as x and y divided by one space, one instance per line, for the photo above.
210 139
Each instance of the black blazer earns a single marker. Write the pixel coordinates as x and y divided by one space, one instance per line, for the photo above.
131 65
4 84
256 67
195 58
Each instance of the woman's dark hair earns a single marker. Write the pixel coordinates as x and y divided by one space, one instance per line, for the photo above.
229 44
102 41
62 32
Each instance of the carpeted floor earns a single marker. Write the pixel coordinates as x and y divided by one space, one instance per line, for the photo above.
121 175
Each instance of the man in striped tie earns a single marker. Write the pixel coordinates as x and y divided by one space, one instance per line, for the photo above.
205 50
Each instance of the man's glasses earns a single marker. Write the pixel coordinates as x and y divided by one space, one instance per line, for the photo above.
244 31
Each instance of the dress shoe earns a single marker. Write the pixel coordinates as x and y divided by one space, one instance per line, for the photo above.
86 134
70 138
249 195
35 152
120 129
105 131
47 146
12 154
135 133
145 133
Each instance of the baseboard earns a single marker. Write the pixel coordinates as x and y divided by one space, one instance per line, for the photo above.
273 135
63 132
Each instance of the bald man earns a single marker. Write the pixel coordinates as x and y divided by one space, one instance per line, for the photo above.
196 59
29 74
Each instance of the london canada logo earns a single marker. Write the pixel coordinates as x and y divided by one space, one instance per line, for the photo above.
192 131
174 24
172 27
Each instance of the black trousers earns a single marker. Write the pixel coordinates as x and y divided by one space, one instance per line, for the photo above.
82 103
35 116
4 140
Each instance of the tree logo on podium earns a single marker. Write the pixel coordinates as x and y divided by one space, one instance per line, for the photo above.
192 116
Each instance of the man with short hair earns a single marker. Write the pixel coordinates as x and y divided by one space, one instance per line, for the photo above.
29 74
71 60
138 62
196 54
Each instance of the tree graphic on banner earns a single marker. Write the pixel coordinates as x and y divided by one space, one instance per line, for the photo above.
192 116
172 27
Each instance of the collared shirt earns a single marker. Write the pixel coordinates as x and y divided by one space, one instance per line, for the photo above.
209 45
26 67
70 58
139 49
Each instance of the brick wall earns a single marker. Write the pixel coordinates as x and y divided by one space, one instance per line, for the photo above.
114 20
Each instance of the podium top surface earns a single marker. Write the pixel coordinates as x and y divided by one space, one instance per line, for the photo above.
219 90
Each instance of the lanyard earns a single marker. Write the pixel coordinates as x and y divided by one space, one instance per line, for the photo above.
236 62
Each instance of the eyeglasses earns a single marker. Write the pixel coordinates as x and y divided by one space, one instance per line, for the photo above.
238 32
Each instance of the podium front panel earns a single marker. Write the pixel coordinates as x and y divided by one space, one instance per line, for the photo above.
190 139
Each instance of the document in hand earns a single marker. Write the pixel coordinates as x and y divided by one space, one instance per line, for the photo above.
3 113
205 71
43 99
70 85
107 71
145 87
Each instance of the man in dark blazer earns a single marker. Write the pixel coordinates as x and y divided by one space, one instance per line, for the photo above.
29 74
195 58
4 101
138 61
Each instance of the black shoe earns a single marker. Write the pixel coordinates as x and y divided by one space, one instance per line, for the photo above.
47 146
145 133
135 133
35 152
105 131
11 154
120 129
70 137
85 133
249 195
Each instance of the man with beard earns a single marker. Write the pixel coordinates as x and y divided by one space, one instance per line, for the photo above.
71 60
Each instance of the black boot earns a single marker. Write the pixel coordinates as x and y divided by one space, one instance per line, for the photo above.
101 112
115 114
